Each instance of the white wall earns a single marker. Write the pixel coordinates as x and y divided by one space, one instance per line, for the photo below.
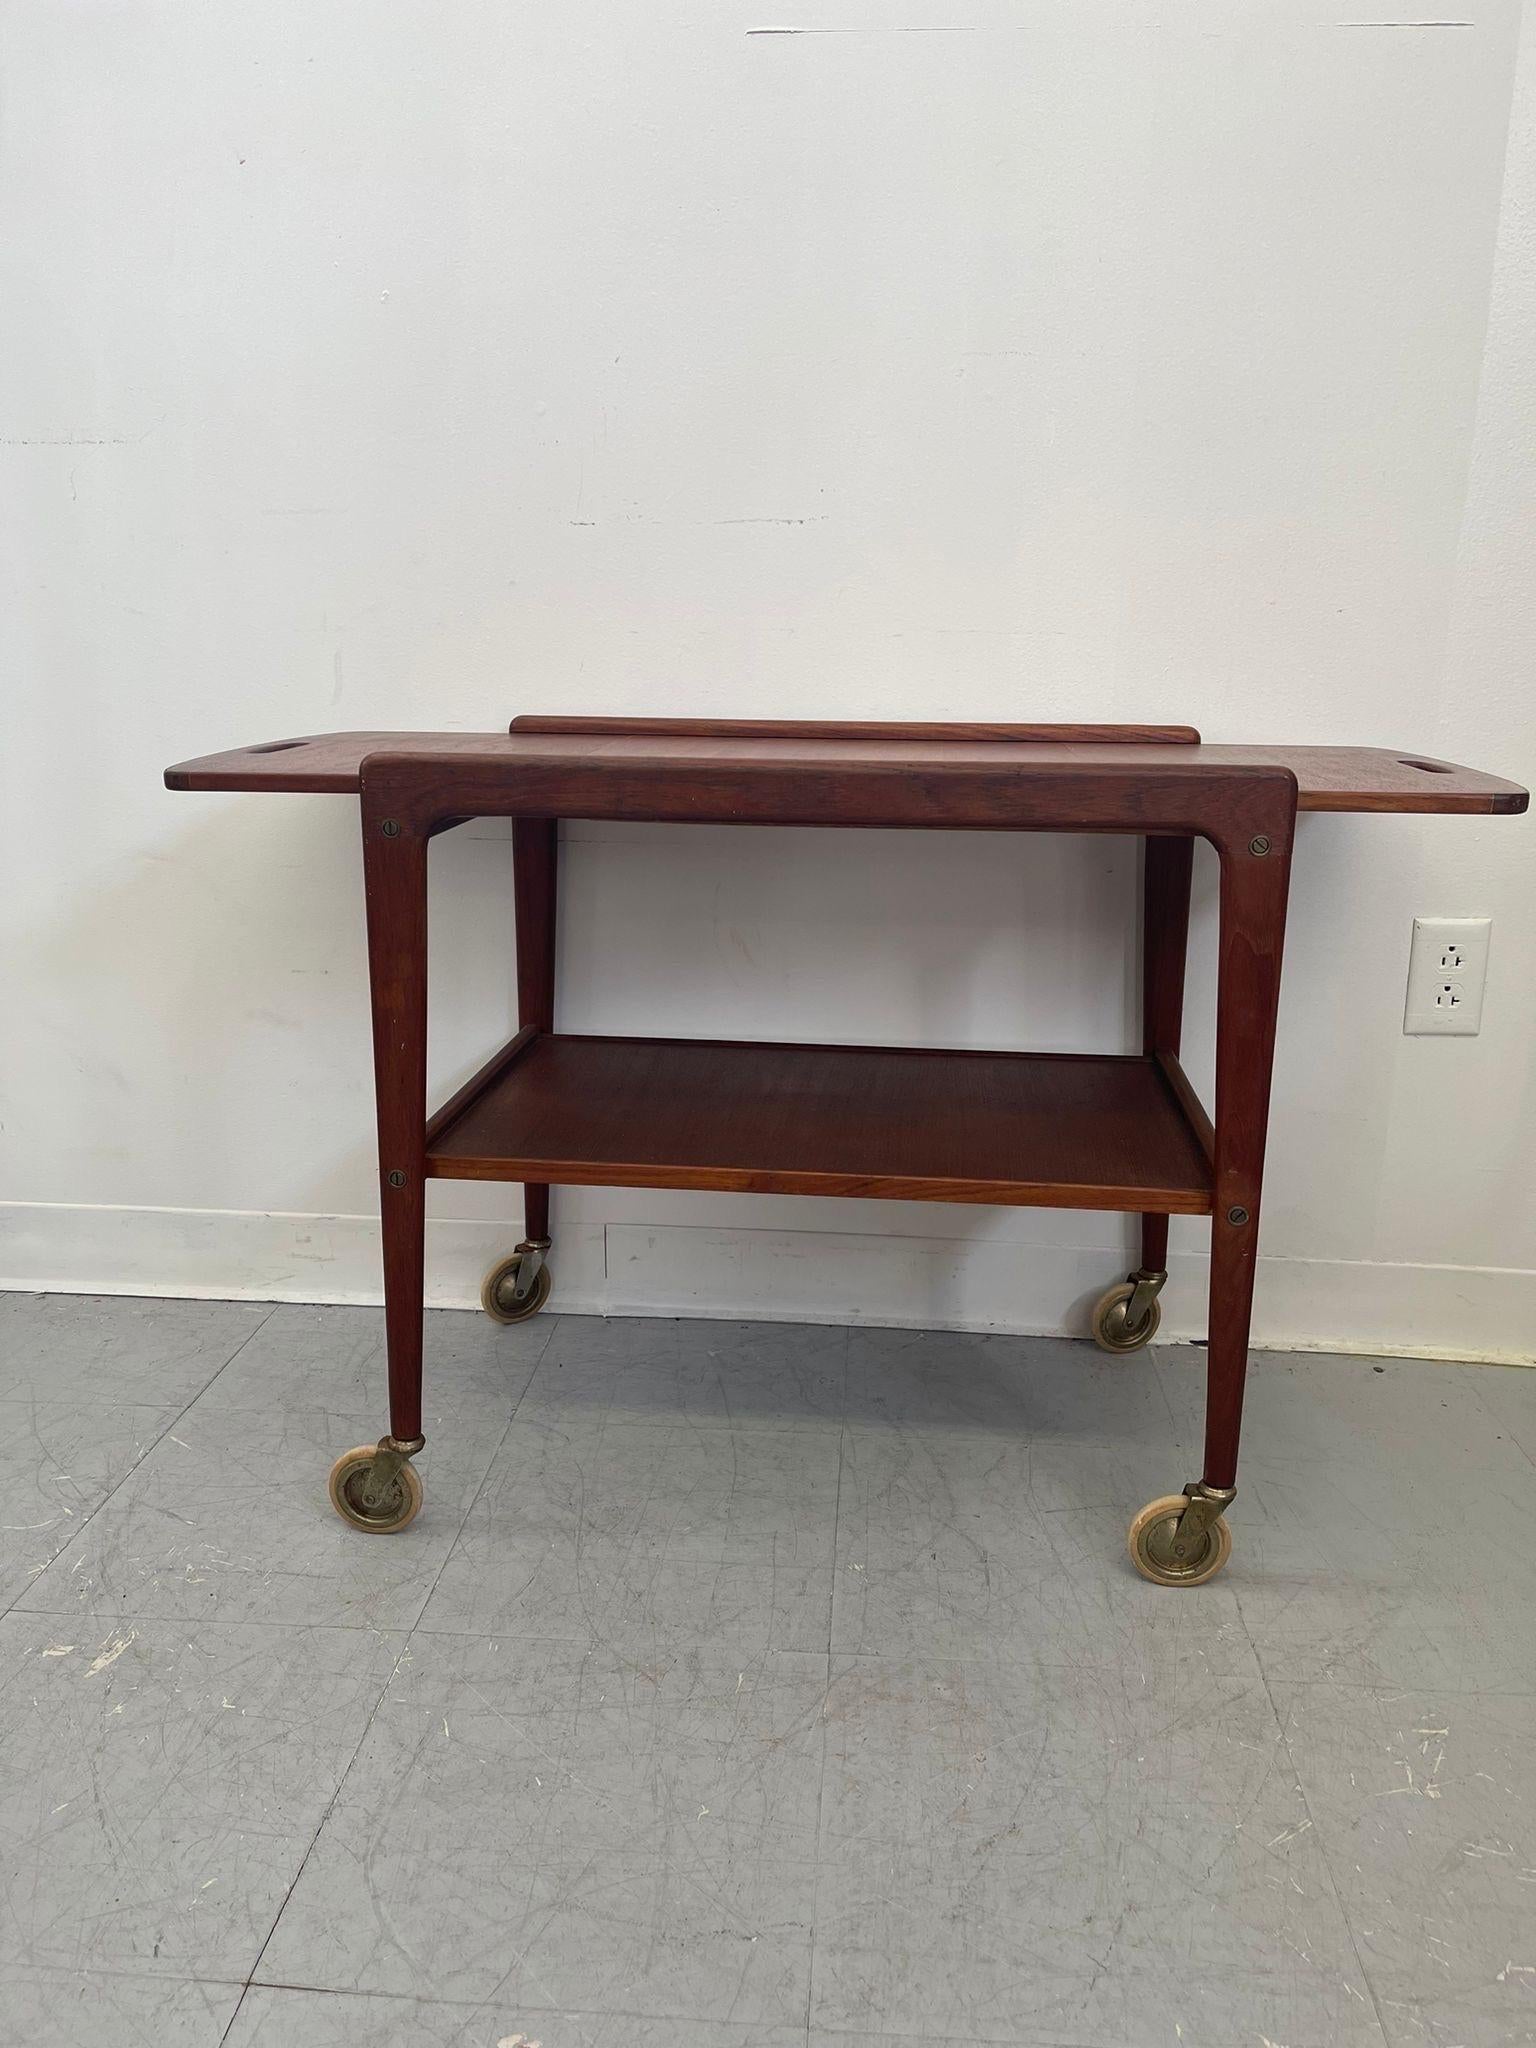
396 365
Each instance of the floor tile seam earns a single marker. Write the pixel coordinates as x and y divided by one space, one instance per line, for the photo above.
1374 1685
68 1536
520 1961
821 1772
371 1717
1526 1453
684 1875
338 1415
546 2012
330 1807
475 1497
1320 1833
607 2013
131 1617
1386 1691
907 2039
147 1453
1063 1664
633 1661
731 1420
245 1992
549 1337
548 1414
32 1402
357 1991
121 1973
456 2003
1007 1434
997 1665
1155 1360
255 1331
589 1641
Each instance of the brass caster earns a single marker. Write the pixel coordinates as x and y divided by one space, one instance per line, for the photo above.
518 1287
376 1487
1166 1549
1126 1316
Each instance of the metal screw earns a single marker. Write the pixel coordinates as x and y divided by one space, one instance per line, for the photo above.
1261 844
1237 1215
391 828
396 1178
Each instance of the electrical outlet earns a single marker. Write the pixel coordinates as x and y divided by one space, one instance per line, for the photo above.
1447 967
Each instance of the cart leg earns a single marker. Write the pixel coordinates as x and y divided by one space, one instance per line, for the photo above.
1253 899
1184 1539
1125 1318
517 1287
375 1487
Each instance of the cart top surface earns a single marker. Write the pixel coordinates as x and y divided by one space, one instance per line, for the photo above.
1328 778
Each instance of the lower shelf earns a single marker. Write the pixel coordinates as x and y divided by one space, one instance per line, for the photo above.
1053 1130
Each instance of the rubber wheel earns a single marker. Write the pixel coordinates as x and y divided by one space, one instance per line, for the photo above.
399 1507
1111 1332
1150 1542
496 1291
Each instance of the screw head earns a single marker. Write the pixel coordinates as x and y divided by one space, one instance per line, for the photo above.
1237 1214
396 1178
390 828
1260 844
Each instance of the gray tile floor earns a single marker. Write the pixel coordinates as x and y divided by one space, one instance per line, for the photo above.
753 1686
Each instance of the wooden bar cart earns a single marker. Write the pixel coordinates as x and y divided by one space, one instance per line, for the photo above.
1049 1130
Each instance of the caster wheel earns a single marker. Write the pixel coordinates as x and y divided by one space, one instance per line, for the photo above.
1111 1332
401 1500
1151 1544
496 1291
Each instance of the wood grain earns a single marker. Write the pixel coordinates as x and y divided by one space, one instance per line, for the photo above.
1057 1130
1251 944
535 872
395 892
479 1081
1103 793
1328 778
1167 866
851 729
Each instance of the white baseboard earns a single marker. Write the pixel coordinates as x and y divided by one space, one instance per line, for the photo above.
826 1276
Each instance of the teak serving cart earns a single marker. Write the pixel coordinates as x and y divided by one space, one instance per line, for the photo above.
1051 1130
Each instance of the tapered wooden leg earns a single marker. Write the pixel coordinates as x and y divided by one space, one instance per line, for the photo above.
1126 1317
395 878
1183 1539
1167 868
1254 886
535 861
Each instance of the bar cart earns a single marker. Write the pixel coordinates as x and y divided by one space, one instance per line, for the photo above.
1048 1130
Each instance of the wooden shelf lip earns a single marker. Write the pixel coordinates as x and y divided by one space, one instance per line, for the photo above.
479 1082
1051 1130
825 730
1189 1102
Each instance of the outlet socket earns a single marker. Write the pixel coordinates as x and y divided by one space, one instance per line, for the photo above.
1447 968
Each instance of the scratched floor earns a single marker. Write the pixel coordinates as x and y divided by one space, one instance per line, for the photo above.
752 1684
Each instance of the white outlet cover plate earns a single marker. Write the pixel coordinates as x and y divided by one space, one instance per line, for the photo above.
1447 968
